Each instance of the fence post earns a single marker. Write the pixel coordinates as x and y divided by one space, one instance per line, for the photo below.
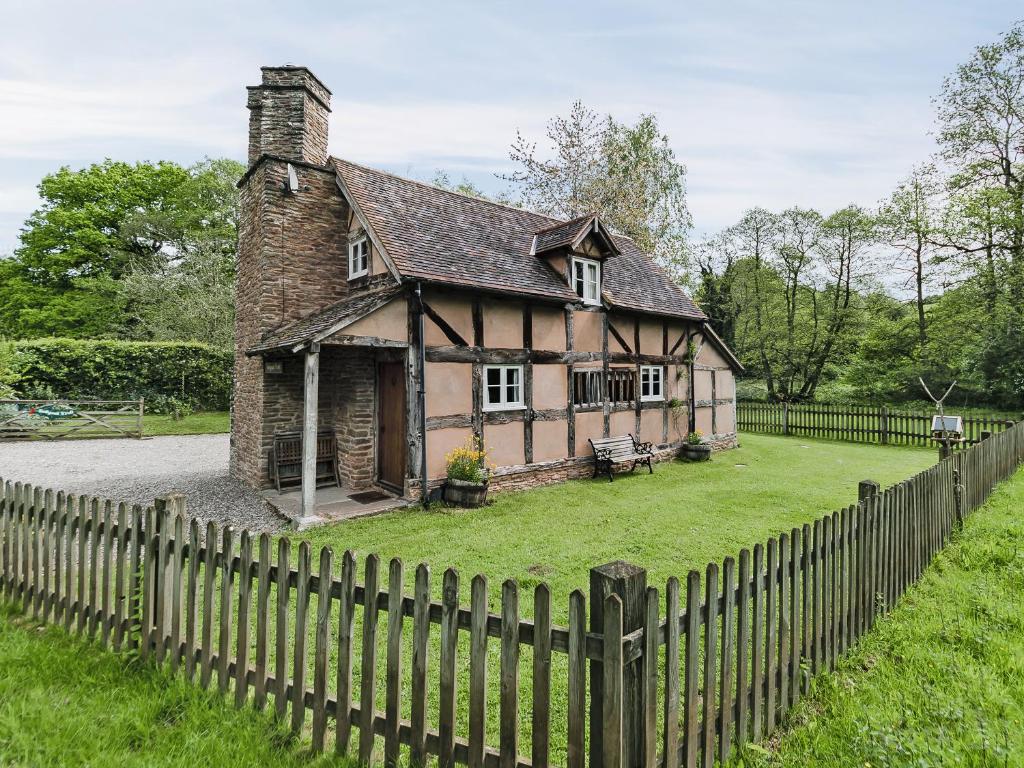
883 426
139 420
629 583
958 493
866 489
785 417
167 508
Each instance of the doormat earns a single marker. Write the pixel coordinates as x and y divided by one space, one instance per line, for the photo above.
366 497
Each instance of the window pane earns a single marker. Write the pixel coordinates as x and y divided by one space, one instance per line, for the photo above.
493 376
494 394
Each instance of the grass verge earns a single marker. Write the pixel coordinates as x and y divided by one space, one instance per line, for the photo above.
64 701
199 423
938 682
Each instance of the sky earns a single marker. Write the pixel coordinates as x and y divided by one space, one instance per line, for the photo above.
818 104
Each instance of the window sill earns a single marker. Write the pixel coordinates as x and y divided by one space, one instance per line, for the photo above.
652 399
493 408
357 275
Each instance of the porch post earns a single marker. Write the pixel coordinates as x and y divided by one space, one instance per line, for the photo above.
309 431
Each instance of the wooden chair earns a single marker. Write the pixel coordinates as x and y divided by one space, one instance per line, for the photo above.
609 451
286 459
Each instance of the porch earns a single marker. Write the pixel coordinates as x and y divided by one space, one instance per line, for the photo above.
332 504
351 398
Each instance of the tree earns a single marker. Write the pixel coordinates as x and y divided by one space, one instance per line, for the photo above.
100 224
909 222
981 135
627 174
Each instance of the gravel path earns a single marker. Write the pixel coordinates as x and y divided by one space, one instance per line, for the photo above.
136 471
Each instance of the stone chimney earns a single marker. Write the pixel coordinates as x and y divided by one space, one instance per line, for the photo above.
288 116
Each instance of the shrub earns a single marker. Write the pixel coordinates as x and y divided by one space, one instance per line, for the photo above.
173 377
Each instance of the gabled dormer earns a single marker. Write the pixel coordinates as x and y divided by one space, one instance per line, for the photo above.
577 250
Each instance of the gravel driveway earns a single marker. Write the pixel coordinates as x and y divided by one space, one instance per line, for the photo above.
138 470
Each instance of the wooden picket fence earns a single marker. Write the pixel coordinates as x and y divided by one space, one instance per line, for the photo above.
855 423
679 677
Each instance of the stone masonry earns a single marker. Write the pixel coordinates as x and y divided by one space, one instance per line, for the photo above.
292 247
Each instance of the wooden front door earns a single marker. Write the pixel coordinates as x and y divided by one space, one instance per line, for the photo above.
391 405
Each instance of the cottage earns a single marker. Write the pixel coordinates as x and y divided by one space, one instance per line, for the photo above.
404 319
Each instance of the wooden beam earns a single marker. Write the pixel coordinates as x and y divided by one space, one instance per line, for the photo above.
636 341
309 430
606 326
528 386
618 337
478 322
679 341
570 412
447 330
466 420
509 356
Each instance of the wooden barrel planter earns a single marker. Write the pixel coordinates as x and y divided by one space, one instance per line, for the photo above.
463 493
697 451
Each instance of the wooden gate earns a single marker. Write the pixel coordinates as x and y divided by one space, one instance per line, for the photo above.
59 419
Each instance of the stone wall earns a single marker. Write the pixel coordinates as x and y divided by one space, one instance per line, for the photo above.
346 403
288 116
292 261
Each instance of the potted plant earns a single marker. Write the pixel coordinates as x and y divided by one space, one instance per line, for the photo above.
695 449
466 485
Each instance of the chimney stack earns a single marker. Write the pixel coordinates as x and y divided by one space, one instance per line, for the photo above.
288 116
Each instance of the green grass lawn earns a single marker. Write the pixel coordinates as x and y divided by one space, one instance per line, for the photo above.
680 518
199 423
940 681
67 702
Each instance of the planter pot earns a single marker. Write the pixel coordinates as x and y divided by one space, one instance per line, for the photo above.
699 452
465 494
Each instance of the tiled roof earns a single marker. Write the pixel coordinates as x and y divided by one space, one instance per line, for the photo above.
324 322
440 236
561 235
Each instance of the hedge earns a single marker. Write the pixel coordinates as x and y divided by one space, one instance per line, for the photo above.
168 374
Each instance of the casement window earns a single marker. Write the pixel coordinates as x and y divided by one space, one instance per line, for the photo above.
503 387
652 382
586 280
588 390
358 258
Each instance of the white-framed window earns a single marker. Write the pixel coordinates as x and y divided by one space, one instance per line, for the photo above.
503 387
358 257
586 280
652 382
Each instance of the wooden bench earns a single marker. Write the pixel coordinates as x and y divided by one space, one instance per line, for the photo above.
286 459
609 451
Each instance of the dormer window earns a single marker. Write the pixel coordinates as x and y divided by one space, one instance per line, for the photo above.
358 257
586 280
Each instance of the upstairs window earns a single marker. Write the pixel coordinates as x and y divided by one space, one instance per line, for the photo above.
586 280
358 258
503 387
651 382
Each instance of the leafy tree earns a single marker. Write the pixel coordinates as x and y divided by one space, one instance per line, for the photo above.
909 221
98 225
628 174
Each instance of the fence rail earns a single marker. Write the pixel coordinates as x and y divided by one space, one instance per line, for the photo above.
669 678
59 419
855 423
